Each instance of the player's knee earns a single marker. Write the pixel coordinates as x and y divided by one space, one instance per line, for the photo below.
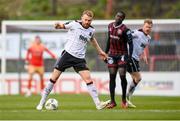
112 77
88 80
55 74
138 79
54 77
123 77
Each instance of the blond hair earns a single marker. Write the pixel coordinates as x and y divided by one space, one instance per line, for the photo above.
88 13
148 21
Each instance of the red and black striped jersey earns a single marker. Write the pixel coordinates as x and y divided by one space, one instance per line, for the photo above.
117 42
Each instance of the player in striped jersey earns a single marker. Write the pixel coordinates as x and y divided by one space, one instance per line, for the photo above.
79 34
119 38
141 39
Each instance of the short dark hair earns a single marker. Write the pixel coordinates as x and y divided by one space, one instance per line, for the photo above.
122 14
88 13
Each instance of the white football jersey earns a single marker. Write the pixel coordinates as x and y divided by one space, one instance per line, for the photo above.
140 41
77 38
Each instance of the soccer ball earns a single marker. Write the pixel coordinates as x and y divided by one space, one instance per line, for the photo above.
51 104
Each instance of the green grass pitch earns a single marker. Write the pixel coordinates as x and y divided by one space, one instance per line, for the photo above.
81 107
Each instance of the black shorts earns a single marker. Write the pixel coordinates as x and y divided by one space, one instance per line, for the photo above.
133 66
67 60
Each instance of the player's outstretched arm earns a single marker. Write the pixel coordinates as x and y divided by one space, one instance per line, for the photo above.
145 55
50 53
28 54
102 54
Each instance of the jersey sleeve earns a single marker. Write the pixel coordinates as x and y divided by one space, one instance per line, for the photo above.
69 25
92 34
129 37
149 37
134 35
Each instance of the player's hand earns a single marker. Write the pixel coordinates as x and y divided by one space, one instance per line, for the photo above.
109 60
145 59
55 57
103 55
56 25
59 26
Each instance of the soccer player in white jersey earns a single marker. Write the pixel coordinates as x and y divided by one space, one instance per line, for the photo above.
141 39
79 34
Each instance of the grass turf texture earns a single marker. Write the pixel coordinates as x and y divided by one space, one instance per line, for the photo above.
81 107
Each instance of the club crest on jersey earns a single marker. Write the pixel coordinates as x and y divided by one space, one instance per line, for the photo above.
119 31
143 45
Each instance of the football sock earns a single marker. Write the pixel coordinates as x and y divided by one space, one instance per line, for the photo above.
42 84
29 84
124 87
131 89
112 85
46 91
93 92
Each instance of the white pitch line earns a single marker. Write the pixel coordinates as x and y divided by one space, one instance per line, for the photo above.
102 111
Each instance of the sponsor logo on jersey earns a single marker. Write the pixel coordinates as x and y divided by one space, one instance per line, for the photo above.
84 39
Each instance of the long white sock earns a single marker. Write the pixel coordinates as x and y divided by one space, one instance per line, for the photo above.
93 92
46 92
131 89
